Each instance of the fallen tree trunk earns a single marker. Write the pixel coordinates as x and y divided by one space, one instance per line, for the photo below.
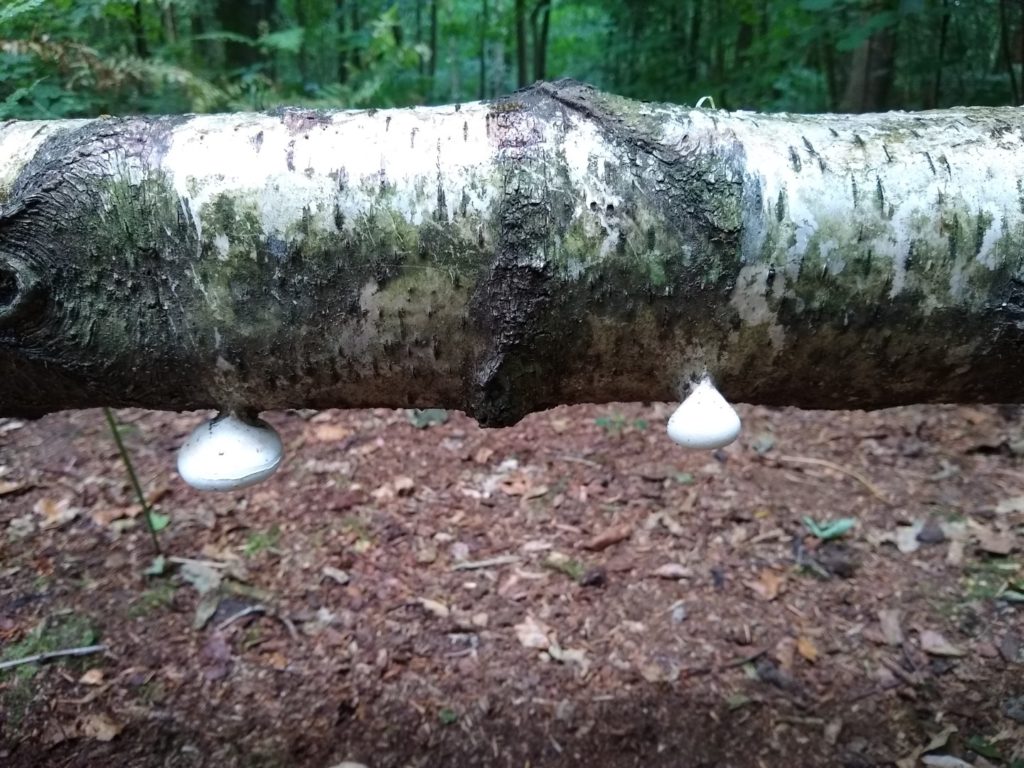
558 246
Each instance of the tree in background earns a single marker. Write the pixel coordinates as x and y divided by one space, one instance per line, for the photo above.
63 58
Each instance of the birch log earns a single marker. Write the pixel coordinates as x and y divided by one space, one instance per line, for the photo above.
561 245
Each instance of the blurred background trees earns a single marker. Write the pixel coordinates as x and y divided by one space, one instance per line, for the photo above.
69 58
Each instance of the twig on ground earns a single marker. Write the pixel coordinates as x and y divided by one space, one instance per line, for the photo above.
248 611
39 658
292 631
575 460
194 561
810 460
709 668
473 565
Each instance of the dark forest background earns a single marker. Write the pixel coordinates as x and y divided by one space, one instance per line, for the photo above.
69 58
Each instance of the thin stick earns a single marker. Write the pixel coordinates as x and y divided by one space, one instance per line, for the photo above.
38 658
187 560
473 565
837 468
146 509
575 460
716 668
241 615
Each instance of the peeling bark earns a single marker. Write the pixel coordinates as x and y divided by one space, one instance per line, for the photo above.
558 246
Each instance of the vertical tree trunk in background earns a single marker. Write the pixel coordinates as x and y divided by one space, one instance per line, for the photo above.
827 57
520 43
139 31
304 56
691 51
540 22
343 37
1007 54
936 93
433 42
419 34
744 39
206 52
718 60
871 69
357 24
170 25
243 17
485 22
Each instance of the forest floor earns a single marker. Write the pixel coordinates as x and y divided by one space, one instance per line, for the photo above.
575 590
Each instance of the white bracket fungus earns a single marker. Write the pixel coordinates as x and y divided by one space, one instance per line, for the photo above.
705 420
230 452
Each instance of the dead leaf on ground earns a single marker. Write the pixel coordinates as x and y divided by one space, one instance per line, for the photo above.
785 652
533 634
889 619
55 512
338 575
215 657
569 656
934 644
104 516
330 433
403 485
522 486
937 741
660 669
92 676
203 576
1010 506
100 727
672 571
435 607
205 608
768 585
483 455
806 648
278 661
990 541
11 486
608 537
945 761
906 537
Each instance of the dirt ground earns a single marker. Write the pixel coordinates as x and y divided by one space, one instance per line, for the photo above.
412 590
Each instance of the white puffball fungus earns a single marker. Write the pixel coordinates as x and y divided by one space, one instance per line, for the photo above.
705 420
229 452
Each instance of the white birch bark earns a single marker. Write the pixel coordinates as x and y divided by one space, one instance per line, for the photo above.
558 246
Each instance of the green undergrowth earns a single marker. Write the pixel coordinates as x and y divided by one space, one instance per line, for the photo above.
53 633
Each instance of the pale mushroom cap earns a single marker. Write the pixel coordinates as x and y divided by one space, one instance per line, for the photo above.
705 420
228 453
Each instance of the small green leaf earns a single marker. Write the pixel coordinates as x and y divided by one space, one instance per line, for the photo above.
157 567
684 478
448 716
737 700
427 417
830 530
763 443
158 520
982 746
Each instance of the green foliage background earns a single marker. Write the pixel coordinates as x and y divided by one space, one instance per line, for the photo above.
70 58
